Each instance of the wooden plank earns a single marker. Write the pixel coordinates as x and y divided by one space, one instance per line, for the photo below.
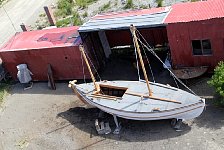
137 94
163 99
152 97
103 97
50 76
107 96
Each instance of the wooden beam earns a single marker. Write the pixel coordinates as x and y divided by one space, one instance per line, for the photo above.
152 97
137 94
164 99
107 96
103 97
133 31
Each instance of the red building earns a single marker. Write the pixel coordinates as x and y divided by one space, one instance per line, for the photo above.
196 33
193 32
57 47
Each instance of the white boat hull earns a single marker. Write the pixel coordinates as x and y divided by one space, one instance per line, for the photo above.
137 108
185 113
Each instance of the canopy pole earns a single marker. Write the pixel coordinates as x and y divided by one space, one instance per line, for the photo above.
81 48
133 29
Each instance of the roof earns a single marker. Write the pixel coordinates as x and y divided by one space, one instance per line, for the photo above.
39 39
122 20
196 11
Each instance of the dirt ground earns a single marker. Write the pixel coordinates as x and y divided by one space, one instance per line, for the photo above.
43 119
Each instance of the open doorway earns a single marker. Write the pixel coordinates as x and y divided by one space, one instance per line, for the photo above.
121 62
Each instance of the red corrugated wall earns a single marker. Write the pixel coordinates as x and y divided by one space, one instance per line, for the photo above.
181 34
66 62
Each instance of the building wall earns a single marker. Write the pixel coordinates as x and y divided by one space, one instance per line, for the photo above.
180 36
65 61
154 36
92 45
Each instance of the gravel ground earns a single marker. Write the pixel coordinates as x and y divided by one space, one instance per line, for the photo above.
43 119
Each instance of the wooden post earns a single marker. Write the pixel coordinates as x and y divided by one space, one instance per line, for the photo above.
81 48
50 15
133 29
24 27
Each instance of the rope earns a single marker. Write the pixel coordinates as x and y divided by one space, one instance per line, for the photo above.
136 57
167 68
149 48
92 65
95 57
83 69
148 62
175 82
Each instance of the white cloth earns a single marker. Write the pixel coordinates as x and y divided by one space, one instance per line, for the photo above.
167 64
24 74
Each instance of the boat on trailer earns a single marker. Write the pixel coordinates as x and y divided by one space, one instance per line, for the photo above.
138 100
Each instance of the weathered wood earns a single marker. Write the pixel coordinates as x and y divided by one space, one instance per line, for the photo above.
81 48
163 99
152 97
133 31
103 97
50 76
107 96
137 94
50 15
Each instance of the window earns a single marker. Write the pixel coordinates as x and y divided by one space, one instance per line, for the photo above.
201 47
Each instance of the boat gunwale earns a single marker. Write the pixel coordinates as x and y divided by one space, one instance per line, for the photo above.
170 110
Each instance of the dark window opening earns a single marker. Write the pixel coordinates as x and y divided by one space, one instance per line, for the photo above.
112 91
201 47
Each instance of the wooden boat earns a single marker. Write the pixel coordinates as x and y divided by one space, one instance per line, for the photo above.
138 100
130 100
190 72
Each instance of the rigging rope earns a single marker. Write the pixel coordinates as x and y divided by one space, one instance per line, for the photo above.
93 65
148 62
149 48
83 69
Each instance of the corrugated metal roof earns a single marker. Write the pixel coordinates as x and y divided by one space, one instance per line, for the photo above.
122 20
195 11
129 13
49 38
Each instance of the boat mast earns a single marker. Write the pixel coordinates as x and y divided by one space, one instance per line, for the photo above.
133 31
81 48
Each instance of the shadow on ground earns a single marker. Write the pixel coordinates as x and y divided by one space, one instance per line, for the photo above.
42 88
212 117
132 131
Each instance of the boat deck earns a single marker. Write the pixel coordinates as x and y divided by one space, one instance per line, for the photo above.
134 103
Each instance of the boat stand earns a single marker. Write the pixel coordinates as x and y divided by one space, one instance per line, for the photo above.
176 124
118 125
102 127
